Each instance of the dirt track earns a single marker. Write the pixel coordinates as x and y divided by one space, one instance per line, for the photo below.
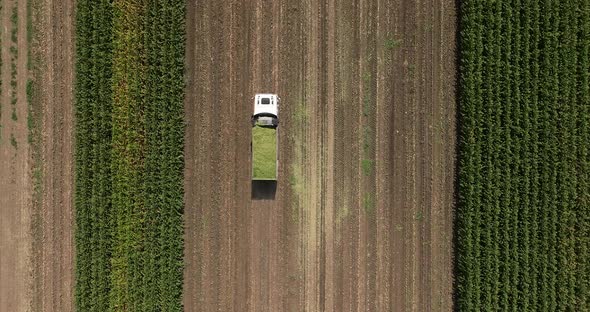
362 218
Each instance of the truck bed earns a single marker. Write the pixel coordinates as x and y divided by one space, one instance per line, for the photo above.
264 153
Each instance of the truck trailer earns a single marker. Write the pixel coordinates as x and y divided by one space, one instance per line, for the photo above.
265 140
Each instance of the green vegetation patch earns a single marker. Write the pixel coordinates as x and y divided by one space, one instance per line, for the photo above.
523 216
264 153
129 155
93 182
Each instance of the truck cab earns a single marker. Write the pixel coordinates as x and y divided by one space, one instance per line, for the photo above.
267 104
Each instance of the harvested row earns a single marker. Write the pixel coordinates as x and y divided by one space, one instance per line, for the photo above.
129 155
523 199
15 167
13 65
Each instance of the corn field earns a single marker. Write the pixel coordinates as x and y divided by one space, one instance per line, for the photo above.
524 194
129 155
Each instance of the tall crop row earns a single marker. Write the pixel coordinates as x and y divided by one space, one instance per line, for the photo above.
164 154
129 74
524 198
93 111
129 156
582 228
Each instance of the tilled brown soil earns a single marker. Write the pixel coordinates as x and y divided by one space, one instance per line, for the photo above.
15 186
362 217
36 253
53 228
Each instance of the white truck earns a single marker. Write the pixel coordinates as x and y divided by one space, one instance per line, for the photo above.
264 145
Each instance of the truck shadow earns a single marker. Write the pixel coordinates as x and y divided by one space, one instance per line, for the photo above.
264 189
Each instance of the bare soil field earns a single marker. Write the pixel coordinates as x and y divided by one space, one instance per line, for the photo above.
362 216
54 227
15 186
36 253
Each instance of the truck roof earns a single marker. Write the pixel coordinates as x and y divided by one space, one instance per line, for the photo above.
264 153
266 103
